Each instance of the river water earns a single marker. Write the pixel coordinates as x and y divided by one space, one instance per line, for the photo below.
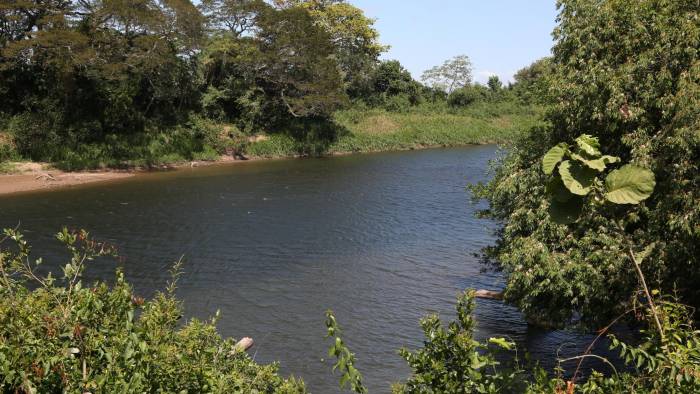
382 239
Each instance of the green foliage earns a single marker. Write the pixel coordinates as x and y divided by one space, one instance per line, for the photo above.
452 361
345 363
468 95
629 75
494 83
629 185
58 334
531 83
579 176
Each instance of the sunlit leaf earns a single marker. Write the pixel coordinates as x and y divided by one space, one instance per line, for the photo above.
589 144
577 178
553 157
502 343
629 185
597 164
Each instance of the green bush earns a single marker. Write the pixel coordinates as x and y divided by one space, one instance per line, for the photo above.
468 95
452 361
58 334
634 84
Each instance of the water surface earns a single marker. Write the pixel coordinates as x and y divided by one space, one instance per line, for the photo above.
382 239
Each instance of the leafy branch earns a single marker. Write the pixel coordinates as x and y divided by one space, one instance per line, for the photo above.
345 359
576 174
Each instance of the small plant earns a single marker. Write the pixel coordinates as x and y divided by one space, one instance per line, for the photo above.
452 361
345 359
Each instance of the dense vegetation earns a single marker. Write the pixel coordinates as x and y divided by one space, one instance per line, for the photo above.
628 74
138 82
599 202
59 334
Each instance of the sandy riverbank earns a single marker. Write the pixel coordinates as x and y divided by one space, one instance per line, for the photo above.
36 176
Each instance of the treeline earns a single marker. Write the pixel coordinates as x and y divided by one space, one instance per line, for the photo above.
85 81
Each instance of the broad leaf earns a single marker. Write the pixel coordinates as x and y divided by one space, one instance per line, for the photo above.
576 177
557 191
629 185
596 164
565 212
589 144
553 157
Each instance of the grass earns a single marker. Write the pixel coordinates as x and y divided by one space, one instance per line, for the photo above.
7 168
374 130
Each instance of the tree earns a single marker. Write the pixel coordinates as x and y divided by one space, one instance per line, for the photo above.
634 85
297 68
531 81
235 16
453 74
356 41
495 84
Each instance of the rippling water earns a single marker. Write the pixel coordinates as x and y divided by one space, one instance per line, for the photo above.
382 239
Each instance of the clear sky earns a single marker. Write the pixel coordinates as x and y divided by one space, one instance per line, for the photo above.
500 36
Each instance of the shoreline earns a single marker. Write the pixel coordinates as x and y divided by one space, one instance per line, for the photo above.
33 176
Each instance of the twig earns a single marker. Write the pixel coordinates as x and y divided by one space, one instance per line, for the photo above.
605 360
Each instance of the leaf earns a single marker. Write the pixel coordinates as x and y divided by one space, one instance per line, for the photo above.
556 190
596 164
577 178
589 144
553 157
565 212
502 343
629 185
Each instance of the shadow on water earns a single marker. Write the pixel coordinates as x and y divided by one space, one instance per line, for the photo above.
382 239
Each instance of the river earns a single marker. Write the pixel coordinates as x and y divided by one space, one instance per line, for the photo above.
382 239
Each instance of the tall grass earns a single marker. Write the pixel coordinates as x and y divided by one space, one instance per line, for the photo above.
427 125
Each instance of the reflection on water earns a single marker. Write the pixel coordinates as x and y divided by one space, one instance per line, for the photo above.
382 239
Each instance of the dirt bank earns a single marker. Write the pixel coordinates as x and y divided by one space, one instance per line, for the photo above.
35 176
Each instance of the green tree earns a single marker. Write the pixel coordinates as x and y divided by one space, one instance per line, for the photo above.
531 81
628 74
297 67
494 84
235 16
356 41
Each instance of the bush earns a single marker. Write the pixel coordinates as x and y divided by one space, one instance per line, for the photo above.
468 95
636 86
400 103
452 361
63 335
8 149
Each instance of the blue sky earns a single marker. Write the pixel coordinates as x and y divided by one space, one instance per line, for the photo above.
500 36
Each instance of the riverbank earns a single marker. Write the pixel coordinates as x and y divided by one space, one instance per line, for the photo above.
377 130
361 131
24 177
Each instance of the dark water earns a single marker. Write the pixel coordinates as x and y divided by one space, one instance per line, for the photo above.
382 239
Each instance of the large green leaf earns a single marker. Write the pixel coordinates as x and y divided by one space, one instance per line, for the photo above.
565 212
596 164
557 191
576 177
589 144
553 157
629 185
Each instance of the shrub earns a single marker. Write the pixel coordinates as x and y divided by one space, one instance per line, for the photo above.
58 334
467 95
635 85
